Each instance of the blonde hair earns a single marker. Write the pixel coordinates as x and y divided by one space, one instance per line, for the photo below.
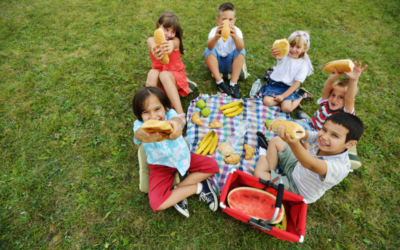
344 83
297 40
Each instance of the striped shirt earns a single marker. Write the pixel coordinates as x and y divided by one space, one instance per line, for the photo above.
323 113
312 185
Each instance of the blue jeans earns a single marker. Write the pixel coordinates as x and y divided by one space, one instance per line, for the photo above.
224 63
278 88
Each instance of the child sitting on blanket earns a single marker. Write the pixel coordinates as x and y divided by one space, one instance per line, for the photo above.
288 74
310 173
170 77
226 57
336 97
171 155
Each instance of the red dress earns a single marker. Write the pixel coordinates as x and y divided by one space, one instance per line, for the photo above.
176 67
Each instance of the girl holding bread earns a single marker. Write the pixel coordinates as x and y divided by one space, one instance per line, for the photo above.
170 77
168 153
288 74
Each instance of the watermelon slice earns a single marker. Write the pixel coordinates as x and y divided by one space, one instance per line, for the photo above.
255 203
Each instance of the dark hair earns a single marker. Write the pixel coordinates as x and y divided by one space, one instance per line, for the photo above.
139 100
224 7
349 121
168 19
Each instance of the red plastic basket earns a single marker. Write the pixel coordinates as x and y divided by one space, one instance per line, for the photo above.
295 207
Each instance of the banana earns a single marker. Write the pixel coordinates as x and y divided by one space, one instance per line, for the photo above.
230 105
230 110
215 145
209 146
205 138
205 144
235 113
284 222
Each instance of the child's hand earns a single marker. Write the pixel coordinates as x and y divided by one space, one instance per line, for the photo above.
145 137
279 98
275 52
233 31
177 130
218 32
335 75
285 137
157 52
357 70
167 47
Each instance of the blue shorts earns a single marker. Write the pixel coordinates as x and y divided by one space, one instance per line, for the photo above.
224 63
305 124
278 88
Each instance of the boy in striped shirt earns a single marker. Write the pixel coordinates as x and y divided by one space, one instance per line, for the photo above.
310 172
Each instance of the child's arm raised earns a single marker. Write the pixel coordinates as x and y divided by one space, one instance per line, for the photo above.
328 86
303 156
238 41
213 40
155 50
352 88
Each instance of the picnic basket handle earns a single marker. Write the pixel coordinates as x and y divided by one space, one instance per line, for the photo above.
279 197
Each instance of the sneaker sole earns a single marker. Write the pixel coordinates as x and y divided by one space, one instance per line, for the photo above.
181 211
214 195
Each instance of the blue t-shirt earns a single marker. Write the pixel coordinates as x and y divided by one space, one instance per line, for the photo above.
174 154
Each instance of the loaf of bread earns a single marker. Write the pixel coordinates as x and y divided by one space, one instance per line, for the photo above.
225 149
283 47
159 37
226 31
341 66
293 129
155 126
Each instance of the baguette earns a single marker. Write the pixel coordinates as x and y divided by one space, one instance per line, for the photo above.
283 47
159 37
226 31
155 126
341 66
293 129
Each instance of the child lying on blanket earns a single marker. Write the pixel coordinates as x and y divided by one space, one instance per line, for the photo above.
336 97
171 155
310 173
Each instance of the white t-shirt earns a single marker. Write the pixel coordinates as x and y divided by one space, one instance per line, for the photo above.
312 185
225 48
289 70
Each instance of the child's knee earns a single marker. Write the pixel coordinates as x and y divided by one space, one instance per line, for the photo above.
268 101
165 76
286 109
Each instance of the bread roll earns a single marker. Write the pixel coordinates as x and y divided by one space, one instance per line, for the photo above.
250 151
233 159
293 129
159 37
283 47
196 119
215 124
341 66
226 31
225 149
156 126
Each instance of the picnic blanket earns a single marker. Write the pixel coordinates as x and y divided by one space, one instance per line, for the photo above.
254 109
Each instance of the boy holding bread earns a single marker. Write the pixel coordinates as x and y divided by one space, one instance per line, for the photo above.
225 50
310 173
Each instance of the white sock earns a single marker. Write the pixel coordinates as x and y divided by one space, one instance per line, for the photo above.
231 84
199 188
222 80
263 151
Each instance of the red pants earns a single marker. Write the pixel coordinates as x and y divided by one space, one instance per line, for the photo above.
162 177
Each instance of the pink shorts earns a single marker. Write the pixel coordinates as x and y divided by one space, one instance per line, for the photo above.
162 177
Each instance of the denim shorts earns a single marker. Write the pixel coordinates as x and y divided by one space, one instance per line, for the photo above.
278 88
224 63
305 124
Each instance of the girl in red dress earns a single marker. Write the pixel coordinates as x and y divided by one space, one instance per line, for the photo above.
170 77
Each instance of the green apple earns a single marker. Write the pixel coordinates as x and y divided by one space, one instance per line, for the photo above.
201 104
267 123
205 112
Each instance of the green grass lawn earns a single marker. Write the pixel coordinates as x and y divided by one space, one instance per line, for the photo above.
69 172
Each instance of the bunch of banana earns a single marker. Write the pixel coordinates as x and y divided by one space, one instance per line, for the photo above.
232 109
208 144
